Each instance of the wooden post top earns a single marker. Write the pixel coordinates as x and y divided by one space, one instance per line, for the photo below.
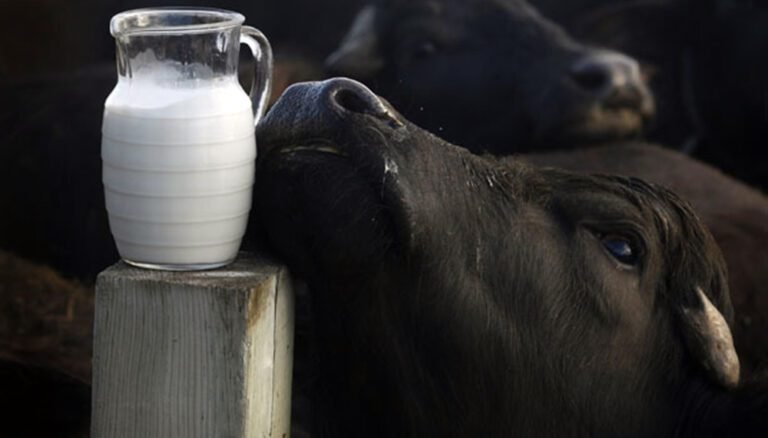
247 269
193 354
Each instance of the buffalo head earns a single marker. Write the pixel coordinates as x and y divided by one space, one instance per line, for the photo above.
493 74
461 295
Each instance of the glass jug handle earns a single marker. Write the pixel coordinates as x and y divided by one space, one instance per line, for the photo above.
261 86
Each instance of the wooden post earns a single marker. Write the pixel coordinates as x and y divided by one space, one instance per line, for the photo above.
193 354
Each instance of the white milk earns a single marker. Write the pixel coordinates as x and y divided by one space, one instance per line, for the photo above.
178 164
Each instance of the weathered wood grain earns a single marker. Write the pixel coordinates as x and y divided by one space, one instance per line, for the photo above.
193 354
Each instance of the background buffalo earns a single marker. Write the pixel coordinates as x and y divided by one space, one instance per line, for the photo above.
702 60
493 76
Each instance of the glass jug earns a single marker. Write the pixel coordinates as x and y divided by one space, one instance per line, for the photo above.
178 136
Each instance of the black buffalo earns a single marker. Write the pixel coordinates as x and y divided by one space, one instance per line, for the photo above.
735 213
483 72
458 295
709 73
702 60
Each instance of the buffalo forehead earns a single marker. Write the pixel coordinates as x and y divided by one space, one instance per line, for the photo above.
456 10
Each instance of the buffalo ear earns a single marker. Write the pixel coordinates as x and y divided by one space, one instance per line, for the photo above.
358 56
709 339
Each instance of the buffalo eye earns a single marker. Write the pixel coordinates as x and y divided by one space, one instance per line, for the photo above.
621 248
423 49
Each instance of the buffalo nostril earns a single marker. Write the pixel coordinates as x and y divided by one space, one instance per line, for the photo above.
603 73
592 77
352 101
612 79
350 96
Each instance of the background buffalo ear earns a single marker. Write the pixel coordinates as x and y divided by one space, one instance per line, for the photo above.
709 340
358 56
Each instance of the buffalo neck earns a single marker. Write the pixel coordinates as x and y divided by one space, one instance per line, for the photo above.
714 412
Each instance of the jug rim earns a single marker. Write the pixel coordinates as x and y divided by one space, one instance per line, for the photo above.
120 24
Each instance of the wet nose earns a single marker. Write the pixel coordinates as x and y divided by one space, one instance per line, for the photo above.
347 96
317 109
613 79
